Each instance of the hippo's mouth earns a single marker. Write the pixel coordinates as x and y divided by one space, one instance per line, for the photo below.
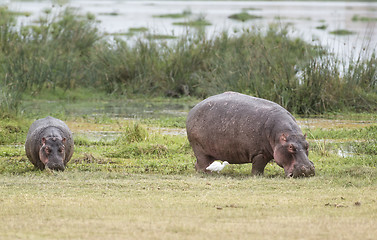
298 174
55 166
300 170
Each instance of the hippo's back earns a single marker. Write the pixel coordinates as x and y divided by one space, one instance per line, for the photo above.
233 101
46 122
231 107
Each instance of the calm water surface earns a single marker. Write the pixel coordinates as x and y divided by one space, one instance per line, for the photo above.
117 16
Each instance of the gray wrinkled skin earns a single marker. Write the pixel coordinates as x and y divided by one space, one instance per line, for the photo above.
241 129
57 136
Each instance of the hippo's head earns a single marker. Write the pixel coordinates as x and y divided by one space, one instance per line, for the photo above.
52 153
291 153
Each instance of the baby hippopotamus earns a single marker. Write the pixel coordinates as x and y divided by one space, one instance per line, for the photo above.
49 144
239 129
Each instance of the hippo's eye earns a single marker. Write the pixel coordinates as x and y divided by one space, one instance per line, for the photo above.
60 150
47 150
291 148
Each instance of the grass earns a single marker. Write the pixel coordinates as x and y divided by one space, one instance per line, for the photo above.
140 182
135 178
118 206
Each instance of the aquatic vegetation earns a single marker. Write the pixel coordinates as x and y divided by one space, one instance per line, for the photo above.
109 13
160 36
280 18
251 9
244 16
131 32
322 27
305 18
357 18
200 22
342 32
128 34
139 29
184 14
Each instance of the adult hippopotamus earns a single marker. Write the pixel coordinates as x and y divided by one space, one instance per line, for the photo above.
49 144
241 129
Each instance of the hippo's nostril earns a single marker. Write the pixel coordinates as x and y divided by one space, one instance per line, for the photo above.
290 175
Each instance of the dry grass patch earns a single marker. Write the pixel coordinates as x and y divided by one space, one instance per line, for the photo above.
77 205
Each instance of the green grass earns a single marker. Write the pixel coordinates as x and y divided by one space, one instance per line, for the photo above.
140 183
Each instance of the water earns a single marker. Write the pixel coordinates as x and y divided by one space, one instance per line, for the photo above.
125 108
118 16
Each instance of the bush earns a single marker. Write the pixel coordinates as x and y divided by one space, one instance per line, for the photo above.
55 52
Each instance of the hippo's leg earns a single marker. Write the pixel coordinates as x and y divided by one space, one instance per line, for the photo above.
259 163
202 160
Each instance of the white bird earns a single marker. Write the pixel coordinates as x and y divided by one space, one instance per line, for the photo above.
217 166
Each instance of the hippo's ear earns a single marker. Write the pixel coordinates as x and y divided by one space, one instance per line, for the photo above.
305 135
43 141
